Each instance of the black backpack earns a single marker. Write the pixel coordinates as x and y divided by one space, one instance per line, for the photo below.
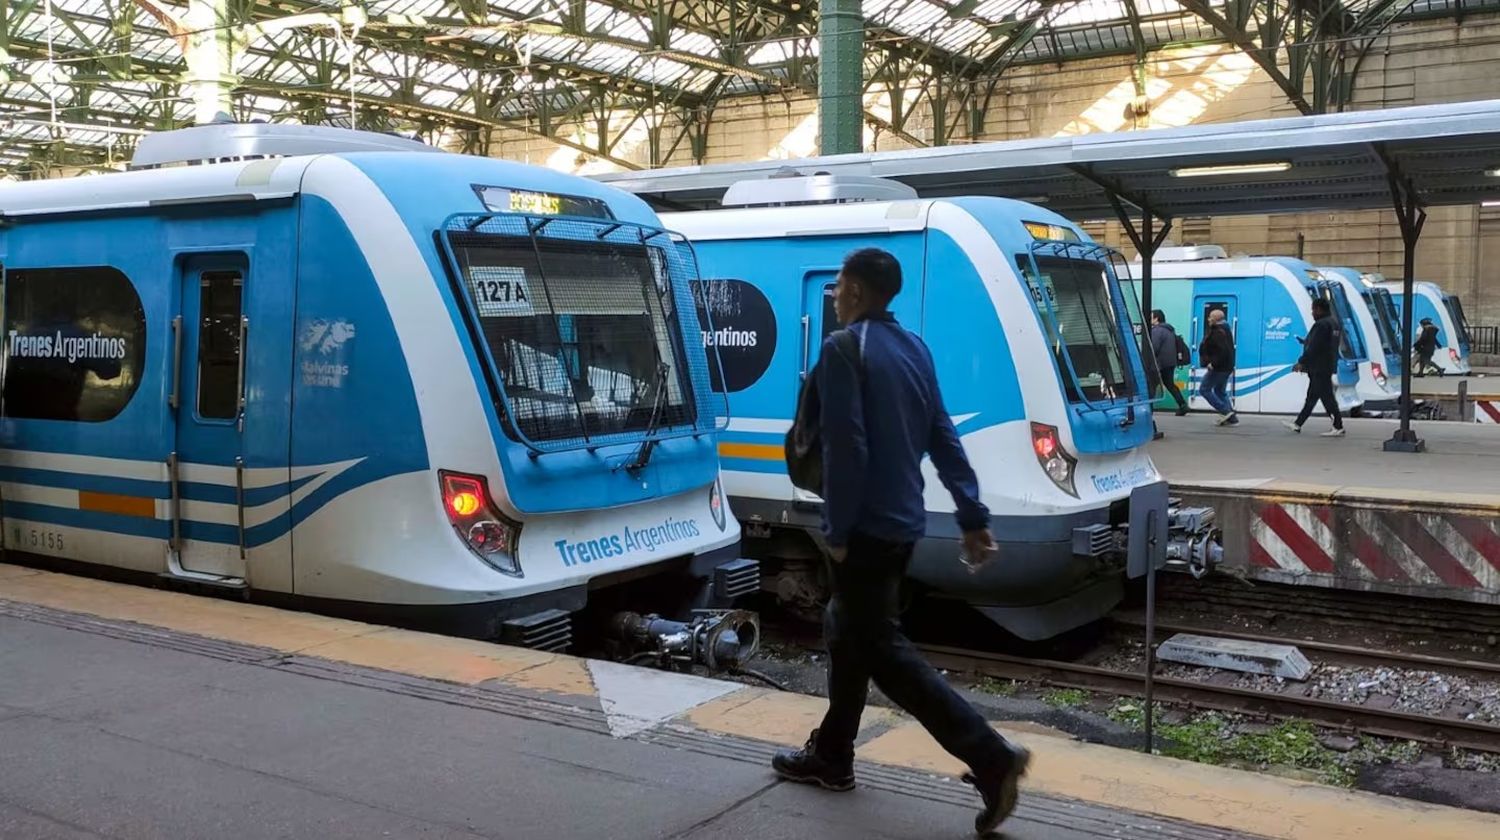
1184 356
804 441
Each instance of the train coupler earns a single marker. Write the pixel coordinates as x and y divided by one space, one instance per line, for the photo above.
719 640
1193 538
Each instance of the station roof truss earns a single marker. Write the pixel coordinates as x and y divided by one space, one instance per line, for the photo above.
1432 154
78 84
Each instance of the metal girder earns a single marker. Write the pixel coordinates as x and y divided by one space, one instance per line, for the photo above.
996 60
553 67
1264 56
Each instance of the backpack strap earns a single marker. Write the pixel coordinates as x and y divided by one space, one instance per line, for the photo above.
851 347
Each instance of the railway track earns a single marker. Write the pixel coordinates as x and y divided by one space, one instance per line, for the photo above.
1271 601
1344 654
1429 729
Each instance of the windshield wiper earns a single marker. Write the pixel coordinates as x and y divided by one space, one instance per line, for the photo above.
648 446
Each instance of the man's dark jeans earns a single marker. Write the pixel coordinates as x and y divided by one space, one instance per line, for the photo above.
1320 389
865 642
1169 381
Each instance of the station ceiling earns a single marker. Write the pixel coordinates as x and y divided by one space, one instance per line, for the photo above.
1439 154
80 79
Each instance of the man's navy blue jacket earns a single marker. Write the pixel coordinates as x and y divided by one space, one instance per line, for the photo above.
876 432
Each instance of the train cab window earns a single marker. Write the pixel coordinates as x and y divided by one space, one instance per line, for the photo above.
75 343
219 344
1085 333
584 334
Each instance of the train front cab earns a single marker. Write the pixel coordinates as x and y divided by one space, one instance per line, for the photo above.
299 398
1054 419
1353 352
1452 354
1388 324
1367 340
1055 416
569 420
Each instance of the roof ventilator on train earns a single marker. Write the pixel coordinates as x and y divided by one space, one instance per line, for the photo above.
793 188
222 142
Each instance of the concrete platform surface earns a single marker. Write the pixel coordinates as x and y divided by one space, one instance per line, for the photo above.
1480 386
135 713
1463 459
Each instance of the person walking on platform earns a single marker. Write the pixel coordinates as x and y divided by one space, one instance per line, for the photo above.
871 410
1217 356
1320 360
1170 352
1425 347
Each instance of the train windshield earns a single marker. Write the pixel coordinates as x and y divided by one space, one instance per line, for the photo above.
1386 312
584 333
1085 334
1387 318
1353 345
1461 324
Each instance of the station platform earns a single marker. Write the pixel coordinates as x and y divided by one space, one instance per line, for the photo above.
1481 395
1461 459
1341 512
128 712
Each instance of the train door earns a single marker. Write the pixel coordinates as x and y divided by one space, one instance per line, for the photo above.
1203 305
818 321
211 338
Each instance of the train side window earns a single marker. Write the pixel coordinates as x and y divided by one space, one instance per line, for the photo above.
75 343
219 344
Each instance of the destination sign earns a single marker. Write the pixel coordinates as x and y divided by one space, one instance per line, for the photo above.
531 203
1051 233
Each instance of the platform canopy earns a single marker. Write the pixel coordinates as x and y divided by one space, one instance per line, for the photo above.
1440 154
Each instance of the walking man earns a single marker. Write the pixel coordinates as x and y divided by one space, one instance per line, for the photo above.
881 412
1320 359
1168 348
1426 346
1217 355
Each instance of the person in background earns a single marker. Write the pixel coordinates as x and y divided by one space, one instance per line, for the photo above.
880 414
1320 359
1425 348
1217 355
1166 345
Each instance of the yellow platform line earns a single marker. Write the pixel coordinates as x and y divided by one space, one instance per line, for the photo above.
1213 796
418 654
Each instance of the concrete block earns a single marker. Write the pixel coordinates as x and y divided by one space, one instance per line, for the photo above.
1236 655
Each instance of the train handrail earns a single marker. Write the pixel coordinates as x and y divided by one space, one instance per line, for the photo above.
1096 253
534 225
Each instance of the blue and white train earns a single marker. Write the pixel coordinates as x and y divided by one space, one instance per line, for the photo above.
1447 313
1029 331
1388 322
349 369
1267 303
1379 385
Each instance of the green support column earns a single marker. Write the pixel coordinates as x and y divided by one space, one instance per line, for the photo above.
841 46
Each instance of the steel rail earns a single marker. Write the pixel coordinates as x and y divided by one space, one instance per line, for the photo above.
1388 723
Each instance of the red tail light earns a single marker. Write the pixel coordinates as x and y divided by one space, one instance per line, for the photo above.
488 533
1453 354
1055 461
1379 371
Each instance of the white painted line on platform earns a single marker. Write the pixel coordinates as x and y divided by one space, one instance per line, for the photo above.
636 699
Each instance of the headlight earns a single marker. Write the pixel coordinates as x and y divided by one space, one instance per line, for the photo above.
488 533
1055 461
